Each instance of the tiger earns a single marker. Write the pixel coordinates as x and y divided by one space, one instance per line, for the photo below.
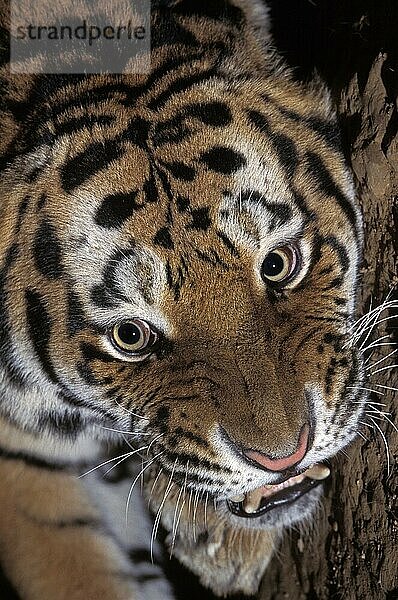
179 253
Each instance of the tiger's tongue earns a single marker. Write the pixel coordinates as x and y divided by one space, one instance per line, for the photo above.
252 500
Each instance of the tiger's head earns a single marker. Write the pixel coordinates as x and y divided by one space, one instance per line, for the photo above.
185 267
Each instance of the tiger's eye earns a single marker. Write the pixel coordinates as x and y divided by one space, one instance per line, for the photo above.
133 336
280 265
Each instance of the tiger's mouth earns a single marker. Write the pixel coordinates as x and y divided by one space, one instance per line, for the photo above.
258 502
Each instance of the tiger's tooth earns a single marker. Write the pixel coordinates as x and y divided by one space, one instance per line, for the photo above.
252 501
238 498
318 472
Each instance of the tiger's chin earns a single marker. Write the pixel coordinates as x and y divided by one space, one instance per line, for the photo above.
228 543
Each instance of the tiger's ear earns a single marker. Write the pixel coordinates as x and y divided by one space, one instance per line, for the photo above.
322 95
257 13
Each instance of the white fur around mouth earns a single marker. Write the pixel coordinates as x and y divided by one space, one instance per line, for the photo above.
253 500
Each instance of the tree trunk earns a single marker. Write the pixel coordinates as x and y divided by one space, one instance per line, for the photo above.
351 549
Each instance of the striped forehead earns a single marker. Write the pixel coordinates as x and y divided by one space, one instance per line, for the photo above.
115 273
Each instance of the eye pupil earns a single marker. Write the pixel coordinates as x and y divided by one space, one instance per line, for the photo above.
129 333
133 336
280 265
273 265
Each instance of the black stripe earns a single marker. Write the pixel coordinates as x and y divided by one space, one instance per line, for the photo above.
76 318
335 283
305 339
259 121
177 280
90 352
180 170
39 327
170 132
115 209
222 159
13 370
137 132
214 114
327 130
179 475
95 158
284 147
218 10
92 523
101 296
33 461
108 292
228 243
167 31
143 579
212 257
280 212
302 205
22 208
179 433
76 402
163 238
86 373
80 123
323 178
66 423
325 319
287 152
193 459
340 250
47 251
42 201
92 97
150 189
140 555
180 85
201 220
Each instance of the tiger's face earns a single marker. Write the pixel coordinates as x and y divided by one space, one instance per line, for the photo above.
191 275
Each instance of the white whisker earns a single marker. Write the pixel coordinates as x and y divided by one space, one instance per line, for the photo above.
366 389
115 465
362 436
129 412
382 359
383 437
195 508
134 482
378 343
384 369
205 509
122 431
153 441
383 416
176 511
106 462
386 387
181 509
153 486
160 509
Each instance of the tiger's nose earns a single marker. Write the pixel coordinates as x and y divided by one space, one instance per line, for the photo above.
280 464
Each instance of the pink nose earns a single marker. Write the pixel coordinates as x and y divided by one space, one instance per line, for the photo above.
280 464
